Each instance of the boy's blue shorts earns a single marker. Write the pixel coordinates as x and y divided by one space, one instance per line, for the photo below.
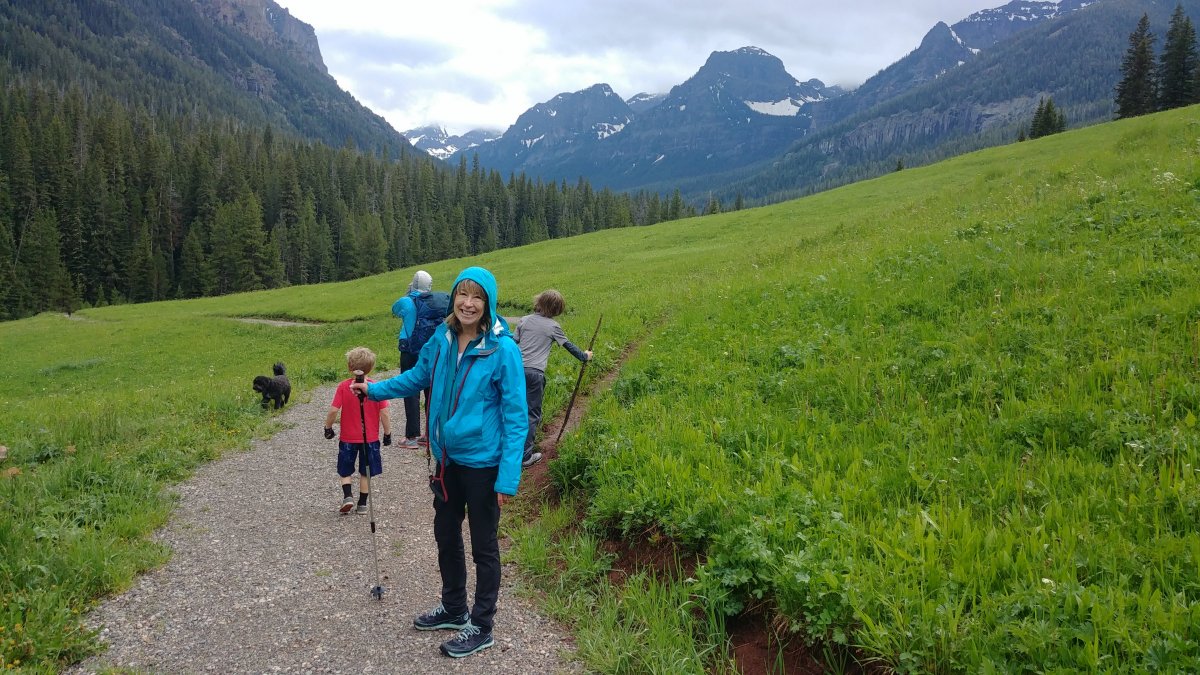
349 455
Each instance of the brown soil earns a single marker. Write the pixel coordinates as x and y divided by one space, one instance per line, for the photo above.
759 645
536 479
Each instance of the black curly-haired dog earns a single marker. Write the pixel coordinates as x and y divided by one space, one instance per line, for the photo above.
277 388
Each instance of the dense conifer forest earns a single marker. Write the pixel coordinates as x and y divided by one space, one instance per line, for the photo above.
104 202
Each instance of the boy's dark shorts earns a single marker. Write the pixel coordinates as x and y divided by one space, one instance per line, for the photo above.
348 456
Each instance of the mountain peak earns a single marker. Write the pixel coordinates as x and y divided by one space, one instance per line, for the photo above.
752 51
745 56
989 26
434 140
643 101
749 73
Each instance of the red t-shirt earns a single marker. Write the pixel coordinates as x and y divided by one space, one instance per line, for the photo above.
352 428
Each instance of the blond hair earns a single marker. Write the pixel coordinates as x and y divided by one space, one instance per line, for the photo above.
360 358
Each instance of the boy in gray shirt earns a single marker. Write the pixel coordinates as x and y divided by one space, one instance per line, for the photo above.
536 334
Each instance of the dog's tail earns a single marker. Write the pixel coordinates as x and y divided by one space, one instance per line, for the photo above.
279 368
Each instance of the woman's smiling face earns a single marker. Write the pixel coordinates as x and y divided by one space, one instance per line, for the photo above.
470 303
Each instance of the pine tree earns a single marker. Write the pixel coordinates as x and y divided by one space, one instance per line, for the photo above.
1177 65
320 253
675 207
1038 124
238 246
287 223
194 275
139 268
1136 92
272 272
372 248
39 264
22 184
10 286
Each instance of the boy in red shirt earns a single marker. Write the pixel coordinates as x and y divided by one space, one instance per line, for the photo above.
351 439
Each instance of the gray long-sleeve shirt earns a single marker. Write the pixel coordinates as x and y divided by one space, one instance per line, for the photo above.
536 334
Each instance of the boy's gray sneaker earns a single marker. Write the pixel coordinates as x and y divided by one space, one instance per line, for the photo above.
438 618
409 443
469 640
347 505
360 509
531 459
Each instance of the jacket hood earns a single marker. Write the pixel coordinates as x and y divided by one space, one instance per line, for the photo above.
487 281
421 283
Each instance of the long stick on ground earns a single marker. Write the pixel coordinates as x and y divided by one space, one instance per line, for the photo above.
582 367
365 459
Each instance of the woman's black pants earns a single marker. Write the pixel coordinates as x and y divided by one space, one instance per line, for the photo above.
472 492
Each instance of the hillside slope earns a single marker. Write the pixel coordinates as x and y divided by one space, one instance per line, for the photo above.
946 417
247 60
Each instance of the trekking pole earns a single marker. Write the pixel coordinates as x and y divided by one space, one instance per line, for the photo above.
377 591
582 367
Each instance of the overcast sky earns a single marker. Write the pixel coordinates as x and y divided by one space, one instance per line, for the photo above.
468 64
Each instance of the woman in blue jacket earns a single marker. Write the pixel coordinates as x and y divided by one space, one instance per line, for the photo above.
477 426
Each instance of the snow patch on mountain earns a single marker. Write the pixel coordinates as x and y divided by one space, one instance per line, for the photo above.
604 129
785 108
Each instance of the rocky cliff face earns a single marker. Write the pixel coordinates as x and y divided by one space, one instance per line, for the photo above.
266 21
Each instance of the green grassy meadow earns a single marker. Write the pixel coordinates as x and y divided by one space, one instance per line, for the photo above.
946 417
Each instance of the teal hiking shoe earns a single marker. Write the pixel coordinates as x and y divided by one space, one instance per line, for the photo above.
438 618
469 640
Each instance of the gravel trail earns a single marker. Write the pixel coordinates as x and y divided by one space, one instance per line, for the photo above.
267 577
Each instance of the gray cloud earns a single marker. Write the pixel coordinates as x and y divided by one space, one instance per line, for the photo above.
505 57
364 47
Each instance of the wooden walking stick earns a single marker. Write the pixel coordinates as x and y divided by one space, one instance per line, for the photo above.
579 379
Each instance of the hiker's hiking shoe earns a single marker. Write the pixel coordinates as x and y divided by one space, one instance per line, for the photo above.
469 640
438 618
531 458
347 505
360 509
409 443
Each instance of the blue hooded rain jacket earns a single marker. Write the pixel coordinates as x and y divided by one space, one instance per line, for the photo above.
478 416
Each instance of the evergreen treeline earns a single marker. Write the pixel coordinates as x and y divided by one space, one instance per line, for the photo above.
102 203
1173 81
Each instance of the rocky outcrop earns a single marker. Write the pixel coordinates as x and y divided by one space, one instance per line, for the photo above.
910 131
267 22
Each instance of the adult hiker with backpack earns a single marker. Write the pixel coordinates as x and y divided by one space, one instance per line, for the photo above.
421 311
